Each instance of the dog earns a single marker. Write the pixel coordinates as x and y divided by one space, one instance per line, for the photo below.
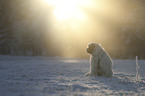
100 61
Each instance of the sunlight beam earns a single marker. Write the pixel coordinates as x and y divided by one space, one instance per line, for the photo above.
68 9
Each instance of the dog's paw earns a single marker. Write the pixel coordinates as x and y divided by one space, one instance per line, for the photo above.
87 74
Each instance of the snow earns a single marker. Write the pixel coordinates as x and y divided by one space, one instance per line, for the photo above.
57 76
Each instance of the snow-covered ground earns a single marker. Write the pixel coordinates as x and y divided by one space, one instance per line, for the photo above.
56 76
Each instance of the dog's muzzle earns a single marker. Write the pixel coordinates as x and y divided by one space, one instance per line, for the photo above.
89 50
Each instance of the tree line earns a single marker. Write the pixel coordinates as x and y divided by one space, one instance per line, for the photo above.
25 29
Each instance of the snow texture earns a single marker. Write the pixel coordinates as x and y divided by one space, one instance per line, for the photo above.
57 76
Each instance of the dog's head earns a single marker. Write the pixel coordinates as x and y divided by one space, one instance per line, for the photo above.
93 47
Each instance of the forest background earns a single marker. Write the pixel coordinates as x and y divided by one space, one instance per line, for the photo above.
29 28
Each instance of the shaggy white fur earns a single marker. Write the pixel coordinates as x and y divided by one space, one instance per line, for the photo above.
100 61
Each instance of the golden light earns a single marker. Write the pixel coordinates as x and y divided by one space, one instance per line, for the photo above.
79 22
72 23
69 9
65 27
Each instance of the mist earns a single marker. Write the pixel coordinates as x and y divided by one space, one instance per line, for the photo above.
33 28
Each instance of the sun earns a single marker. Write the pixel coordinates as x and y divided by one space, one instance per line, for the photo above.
68 9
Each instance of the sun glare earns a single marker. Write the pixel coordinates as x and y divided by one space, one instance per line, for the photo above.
68 9
78 22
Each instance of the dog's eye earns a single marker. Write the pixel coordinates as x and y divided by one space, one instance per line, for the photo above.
92 46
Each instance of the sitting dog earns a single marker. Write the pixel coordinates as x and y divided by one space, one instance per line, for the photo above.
100 61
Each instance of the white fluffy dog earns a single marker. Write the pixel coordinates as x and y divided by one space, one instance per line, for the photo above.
100 61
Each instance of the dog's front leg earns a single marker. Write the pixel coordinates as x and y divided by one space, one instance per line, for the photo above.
87 74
